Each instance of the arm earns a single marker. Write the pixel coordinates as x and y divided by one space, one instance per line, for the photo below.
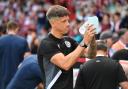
40 86
69 60
122 79
124 84
91 52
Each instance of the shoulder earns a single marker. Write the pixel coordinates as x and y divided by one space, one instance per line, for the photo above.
69 38
4 37
13 37
31 58
46 40
47 43
110 61
82 68
101 59
20 38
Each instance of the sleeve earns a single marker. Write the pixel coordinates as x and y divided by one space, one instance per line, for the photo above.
80 82
48 49
74 43
121 74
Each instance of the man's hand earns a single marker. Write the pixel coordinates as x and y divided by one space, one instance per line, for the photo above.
124 85
89 34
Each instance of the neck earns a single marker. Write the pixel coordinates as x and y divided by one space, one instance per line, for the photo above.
57 34
101 53
12 32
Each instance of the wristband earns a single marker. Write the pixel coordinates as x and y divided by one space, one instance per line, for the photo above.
82 44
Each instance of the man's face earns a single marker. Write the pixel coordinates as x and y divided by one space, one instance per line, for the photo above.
62 24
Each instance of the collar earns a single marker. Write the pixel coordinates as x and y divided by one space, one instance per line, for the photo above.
53 37
100 55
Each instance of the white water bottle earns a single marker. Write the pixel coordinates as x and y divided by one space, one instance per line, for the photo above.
90 21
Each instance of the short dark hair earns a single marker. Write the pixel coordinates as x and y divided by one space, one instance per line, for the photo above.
57 11
105 35
120 55
101 45
12 25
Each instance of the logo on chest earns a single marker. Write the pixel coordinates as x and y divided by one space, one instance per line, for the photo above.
68 44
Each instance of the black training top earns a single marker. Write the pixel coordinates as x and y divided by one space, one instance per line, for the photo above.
100 73
55 77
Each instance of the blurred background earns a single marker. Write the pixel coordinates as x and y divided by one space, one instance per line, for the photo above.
30 15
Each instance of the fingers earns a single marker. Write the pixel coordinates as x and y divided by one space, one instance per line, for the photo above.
89 34
91 30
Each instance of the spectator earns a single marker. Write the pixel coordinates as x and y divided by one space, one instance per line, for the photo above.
124 23
122 57
12 50
117 21
122 42
107 36
105 23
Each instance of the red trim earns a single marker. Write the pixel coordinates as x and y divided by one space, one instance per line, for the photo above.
82 60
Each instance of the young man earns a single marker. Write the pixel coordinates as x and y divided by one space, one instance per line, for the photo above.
122 42
108 36
122 57
12 50
58 52
28 75
101 72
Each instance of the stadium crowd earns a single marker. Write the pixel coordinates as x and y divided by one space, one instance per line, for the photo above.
33 26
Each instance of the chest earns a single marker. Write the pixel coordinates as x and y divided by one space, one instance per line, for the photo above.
65 46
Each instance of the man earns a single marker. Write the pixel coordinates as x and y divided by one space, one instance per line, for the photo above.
101 72
108 36
58 52
117 21
122 57
28 75
122 42
12 50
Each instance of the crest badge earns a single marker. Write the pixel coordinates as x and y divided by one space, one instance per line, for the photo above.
68 44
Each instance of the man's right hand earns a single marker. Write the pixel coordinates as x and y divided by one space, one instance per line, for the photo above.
89 34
